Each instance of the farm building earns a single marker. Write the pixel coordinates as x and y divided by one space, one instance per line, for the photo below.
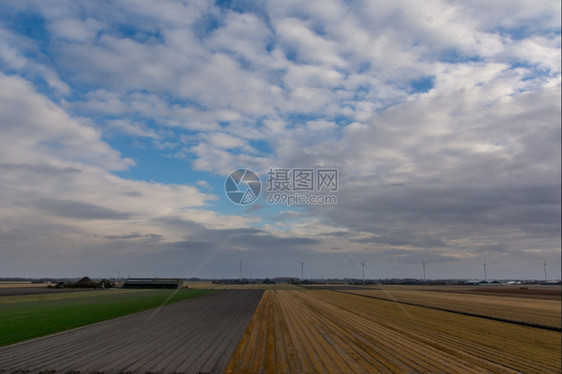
153 283
483 283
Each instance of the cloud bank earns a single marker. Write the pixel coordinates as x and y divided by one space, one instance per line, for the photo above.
120 121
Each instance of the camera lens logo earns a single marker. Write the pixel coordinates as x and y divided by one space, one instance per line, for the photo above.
242 186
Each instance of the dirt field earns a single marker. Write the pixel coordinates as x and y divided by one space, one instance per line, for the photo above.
539 311
292 330
522 291
528 291
333 332
192 336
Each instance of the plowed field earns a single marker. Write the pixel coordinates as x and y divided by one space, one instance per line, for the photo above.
192 336
334 332
517 309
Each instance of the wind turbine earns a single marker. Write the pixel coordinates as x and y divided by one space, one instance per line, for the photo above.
363 264
302 270
485 277
240 269
544 264
423 265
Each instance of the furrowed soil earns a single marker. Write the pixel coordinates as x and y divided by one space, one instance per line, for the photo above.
197 335
24 317
323 331
540 311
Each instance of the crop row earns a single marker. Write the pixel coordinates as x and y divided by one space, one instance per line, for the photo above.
526 310
333 332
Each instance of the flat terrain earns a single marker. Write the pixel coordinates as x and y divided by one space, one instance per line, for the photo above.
553 292
326 331
250 286
336 329
539 311
16 284
18 291
192 336
24 317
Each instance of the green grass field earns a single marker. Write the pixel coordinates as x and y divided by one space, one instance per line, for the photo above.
31 316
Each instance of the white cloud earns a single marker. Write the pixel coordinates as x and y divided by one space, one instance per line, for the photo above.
222 140
296 84
14 52
76 30
34 128
312 76
133 129
57 191
203 184
299 40
245 36
545 52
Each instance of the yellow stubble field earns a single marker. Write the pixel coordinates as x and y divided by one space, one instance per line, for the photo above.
540 311
313 331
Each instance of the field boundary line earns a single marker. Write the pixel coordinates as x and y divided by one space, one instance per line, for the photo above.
499 319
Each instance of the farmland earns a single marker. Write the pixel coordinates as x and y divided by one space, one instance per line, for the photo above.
289 329
190 336
28 316
333 332
533 311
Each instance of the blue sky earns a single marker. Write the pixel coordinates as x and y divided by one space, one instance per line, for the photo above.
120 122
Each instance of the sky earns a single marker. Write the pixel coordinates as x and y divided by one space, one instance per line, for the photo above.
121 121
